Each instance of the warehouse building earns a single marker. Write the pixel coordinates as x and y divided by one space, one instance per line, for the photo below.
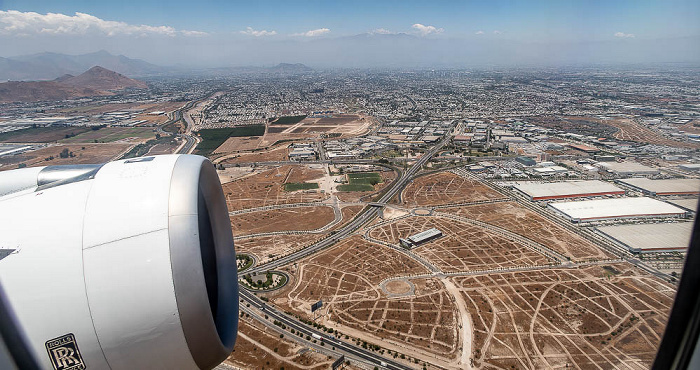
619 208
664 187
627 168
651 238
567 189
687 204
420 238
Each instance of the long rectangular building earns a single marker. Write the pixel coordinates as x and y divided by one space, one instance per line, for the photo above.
650 238
567 189
664 187
618 208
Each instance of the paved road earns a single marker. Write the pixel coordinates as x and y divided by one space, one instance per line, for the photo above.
340 346
368 214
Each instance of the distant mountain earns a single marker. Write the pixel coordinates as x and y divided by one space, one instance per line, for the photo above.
98 78
95 81
48 66
282 68
289 68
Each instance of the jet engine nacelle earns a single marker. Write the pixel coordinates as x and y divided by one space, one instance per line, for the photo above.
126 265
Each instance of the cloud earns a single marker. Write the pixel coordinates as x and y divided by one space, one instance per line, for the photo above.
16 23
251 32
426 30
313 33
624 35
382 31
497 32
479 32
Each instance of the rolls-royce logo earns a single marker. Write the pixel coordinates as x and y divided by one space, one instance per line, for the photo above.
64 353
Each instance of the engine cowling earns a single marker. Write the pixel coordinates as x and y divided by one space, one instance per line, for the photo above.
129 265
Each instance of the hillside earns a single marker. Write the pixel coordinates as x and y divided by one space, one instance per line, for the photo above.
95 81
48 66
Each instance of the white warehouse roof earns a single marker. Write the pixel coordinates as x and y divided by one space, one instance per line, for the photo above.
567 189
589 210
424 235
661 187
652 237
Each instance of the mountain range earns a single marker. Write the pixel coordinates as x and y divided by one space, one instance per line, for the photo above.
48 66
93 82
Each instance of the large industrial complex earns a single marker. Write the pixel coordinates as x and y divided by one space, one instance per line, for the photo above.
651 238
663 187
567 189
610 209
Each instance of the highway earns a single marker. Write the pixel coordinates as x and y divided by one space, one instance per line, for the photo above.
340 346
368 214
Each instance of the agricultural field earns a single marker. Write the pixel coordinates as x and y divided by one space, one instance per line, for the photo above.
294 186
285 219
446 188
361 181
214 137
463 247
593 317
342 125
288 120
278 153
112 134
81 154
520 220
357 192
41 134
267 188
238 144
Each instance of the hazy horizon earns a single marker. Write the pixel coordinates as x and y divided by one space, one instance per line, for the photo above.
385 34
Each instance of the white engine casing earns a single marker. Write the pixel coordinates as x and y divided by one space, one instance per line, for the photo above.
135 259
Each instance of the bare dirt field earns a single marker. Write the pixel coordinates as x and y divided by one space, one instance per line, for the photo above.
102 108
446 188
42 134
285 219
159 149
346 278
463 247
592 317
113 134
267 188
278 153
346 125
92 153
238 144
632 131
259 347
514 218
349 212
267 247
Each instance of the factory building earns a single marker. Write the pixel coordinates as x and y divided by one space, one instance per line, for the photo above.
663 187
567 189
420 238
613 209
651 238
627 168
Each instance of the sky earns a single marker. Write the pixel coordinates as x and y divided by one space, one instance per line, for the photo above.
325 33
